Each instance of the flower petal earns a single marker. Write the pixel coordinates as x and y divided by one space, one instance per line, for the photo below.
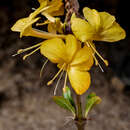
113 34
24 24
83 59
55 27
80 80
82 29
106 20
71 46
55 8
41 1
59 12
54 50
92 17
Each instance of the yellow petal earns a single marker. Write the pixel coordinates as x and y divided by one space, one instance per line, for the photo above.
55 8
59 12
92 17
82 29
71 46
54 50
55 27
83 59
42 7
80 80
106 20
51 28
41 1
112 34
24 25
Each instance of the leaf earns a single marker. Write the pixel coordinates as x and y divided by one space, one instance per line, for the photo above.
91 101
67 95
64 103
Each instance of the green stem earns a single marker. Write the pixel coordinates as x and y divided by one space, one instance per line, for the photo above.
79 121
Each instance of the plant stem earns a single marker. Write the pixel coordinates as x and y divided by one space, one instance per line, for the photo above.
79 121
71 6
79 107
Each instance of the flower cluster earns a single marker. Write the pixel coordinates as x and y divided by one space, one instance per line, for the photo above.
73 53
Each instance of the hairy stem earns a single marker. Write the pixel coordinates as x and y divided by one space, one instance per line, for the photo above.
79 107
79 121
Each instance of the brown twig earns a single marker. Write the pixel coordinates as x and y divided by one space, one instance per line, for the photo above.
71 6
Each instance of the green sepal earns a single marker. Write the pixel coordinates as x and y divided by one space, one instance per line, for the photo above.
67 95
91 101
64 103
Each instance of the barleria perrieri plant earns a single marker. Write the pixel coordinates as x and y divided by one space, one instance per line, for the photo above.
70 45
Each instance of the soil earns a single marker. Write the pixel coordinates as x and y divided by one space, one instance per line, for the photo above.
25 99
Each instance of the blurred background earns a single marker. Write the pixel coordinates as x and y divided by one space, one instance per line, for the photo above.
25 99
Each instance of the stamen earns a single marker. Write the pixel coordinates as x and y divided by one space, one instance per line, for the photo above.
64 88
43 67
51 81
100 67
45 8
44 23
105 61
30 53
97 63
87 44
49 17
26 49
45 35
57 84
33 9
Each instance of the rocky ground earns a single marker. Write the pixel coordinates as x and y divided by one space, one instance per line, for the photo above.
25 100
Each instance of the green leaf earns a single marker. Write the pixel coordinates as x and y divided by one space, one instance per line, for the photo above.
67 95
91 101
64 103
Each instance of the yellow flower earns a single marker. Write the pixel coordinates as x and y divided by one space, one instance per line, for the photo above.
98 26
53 27
24 25
57 7
73 59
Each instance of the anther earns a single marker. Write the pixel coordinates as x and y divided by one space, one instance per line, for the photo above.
50 82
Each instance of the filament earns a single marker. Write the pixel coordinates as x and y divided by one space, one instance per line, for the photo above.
49 17
51 81
20 51
100 67
43 67
65 82
97 63
44 23
105 61
30 53
57 84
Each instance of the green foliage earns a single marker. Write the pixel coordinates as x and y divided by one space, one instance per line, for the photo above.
64 103
67 95
91 101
